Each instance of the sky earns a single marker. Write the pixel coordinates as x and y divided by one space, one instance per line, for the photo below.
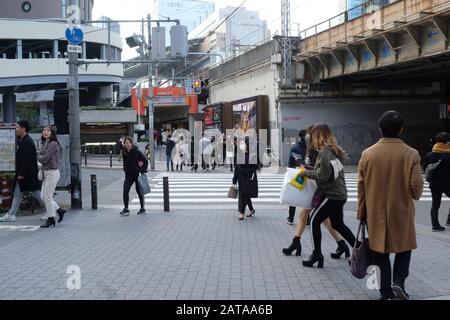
304 12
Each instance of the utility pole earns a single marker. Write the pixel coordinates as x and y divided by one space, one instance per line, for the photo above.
151 117
286 44
74 127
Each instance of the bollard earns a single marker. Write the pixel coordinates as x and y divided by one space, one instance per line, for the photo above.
94 191
110 158
166 194
85 158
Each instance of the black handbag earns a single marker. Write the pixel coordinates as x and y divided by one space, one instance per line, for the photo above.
362 256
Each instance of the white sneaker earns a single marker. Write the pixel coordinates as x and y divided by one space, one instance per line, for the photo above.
8 218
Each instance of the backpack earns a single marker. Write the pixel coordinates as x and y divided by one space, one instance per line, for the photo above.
430 170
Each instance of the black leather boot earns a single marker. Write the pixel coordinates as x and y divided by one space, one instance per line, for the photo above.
295 246
341 249
315 257
61 213
50 222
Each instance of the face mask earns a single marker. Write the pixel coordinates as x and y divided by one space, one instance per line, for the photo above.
242 147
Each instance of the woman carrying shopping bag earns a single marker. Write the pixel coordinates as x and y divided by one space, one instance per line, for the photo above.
342 248
246 177
330 178
48 156
134 164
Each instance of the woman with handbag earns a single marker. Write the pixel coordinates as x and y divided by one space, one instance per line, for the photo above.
48 156
245 176
342 248
329 175
134 164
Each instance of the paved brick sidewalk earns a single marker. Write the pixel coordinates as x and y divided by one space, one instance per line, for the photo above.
188 254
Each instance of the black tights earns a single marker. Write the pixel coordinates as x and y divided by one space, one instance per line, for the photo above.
333 209
126 191
243 202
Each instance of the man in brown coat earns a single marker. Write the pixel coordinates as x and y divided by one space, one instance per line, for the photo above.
389 181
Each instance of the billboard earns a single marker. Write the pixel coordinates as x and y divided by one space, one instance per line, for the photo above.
213 117
7 148
244 116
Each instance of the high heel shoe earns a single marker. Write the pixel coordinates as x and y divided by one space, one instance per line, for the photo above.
315 257
341 249
295 246
251 214
50 222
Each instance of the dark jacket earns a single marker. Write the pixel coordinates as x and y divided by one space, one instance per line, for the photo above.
245 175
130 163
170 144
441 176
297 155
26 165
329 182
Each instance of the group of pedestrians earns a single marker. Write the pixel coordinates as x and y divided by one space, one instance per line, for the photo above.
389 181
39 182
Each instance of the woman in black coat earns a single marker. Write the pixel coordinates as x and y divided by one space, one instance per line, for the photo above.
134 163
245 176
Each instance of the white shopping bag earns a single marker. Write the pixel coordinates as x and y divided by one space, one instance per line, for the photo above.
294 197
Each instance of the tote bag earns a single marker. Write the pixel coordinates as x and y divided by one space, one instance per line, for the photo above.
143 184
362 255
297 192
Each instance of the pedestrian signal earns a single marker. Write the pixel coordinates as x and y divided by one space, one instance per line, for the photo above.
197 87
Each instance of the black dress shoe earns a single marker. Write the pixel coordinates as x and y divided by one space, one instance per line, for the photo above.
50 222
60 213
400 292
438 229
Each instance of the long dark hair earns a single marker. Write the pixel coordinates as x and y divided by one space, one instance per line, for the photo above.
132 143
52 135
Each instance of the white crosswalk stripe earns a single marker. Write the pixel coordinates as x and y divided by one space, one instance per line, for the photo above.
205 190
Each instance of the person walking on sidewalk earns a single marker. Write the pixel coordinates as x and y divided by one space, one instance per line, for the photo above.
49 158
26 177
134 163
246 178
303 219
297 157
440 177
389 180
170 145
330 177
205 149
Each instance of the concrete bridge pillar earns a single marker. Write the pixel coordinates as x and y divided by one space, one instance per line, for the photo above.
9 108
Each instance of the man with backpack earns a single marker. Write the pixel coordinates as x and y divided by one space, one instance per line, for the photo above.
437 172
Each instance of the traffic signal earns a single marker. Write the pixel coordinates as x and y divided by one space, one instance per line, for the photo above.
197 87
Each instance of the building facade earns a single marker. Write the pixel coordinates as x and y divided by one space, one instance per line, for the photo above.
190 12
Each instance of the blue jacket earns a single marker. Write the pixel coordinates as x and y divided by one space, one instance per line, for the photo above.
297 155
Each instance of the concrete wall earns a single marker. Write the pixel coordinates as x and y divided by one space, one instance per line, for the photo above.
108 116
355 122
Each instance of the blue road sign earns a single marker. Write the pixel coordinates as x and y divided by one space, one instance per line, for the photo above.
74 36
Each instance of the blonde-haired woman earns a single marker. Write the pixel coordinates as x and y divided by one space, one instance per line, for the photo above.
330 177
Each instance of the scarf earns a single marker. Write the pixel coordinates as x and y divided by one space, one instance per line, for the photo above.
441 148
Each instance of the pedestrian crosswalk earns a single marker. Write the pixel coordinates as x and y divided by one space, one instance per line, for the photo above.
209 190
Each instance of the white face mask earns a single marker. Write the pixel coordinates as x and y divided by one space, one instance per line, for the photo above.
242 147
